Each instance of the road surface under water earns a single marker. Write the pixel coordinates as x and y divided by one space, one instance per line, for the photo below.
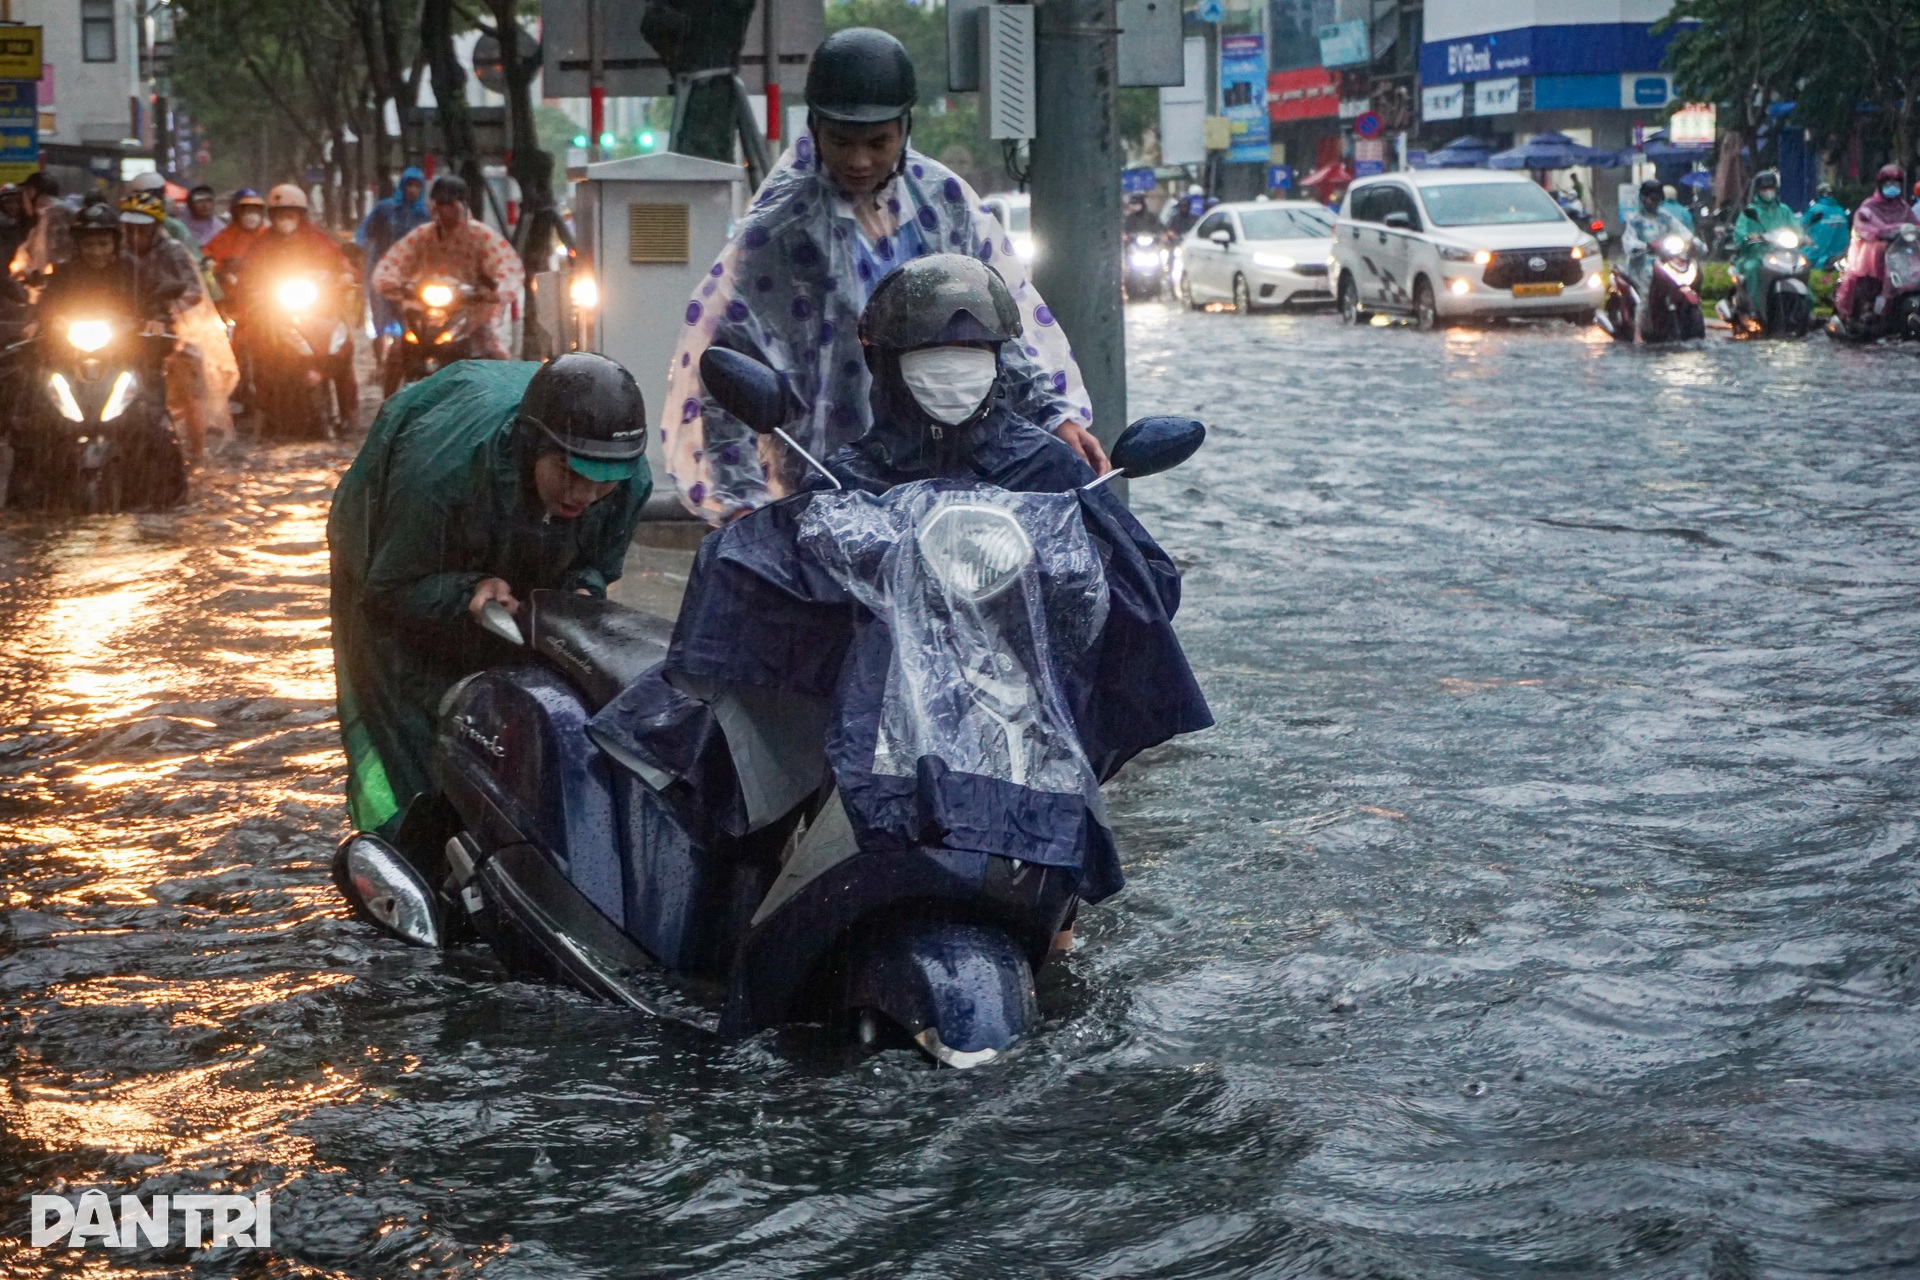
1544 903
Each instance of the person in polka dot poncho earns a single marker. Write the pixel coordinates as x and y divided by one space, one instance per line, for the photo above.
788 290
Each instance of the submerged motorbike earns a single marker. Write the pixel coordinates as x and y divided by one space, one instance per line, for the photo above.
436 329
90 428
1887 305
1146 267
731 862
1673 298
1786 298
296 355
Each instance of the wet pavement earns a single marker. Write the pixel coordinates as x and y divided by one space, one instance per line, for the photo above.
1544 902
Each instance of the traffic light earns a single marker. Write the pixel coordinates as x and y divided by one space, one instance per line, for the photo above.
606 142
645 140
580 141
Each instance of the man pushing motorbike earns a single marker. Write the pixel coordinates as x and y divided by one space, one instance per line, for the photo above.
480 485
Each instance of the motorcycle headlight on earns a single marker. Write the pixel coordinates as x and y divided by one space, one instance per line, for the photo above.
63 398
1783 262
1784 238
1673 246
1144 259
437 296
89 335
120 397
296 294
975 551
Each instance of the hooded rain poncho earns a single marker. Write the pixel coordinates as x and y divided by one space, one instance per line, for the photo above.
788 290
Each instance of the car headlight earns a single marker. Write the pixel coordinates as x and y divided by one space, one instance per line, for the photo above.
1454 253
1673 246
584 292
297 294
63 399
89 335
1784 238
974 551
1274 261
436 295
120 397
1026 250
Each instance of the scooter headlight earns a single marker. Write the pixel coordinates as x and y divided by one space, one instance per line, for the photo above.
1787 263
1673 246
89 335
974 551
584 292
297 294
1144 259
436 295
1784 238
63 398
120 397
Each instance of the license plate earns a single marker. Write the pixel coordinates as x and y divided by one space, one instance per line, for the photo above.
1549 290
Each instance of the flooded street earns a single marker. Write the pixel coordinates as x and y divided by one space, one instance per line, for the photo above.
1544 902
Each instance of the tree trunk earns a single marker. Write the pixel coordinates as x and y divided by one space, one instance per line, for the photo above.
531 167
700 35
450 94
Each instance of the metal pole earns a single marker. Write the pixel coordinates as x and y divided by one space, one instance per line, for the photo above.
1076 195
596 83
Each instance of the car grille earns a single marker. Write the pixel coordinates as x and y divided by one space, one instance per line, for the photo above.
1311 269
1516 267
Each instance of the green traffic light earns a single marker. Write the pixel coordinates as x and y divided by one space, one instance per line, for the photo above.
580 140
645 140
606 140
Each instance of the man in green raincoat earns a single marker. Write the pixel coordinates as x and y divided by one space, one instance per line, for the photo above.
1764 217
484 483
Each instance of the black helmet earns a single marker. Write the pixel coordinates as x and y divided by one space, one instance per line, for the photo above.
861 76
1652 187
941 298
98 218
590 408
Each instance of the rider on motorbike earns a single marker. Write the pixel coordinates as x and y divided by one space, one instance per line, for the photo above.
482 484
1826 222
1765 215
294 246
1641 234
99 280
455 245
1877 220
230 245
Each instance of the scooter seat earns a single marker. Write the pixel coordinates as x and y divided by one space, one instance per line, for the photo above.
600 646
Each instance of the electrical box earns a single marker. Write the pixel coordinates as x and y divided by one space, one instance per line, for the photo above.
1006 70
648 228
1148 52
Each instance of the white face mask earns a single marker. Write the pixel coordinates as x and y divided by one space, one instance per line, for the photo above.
249 220
950 383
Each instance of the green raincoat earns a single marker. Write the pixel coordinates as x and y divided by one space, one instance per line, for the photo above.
1760 218
440 497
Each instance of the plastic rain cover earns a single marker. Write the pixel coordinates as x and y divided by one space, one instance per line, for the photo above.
985 594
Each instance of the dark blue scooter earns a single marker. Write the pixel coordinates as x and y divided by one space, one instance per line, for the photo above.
737 875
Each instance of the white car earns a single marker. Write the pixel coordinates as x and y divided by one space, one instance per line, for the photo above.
1014 209
1451 244
1259 253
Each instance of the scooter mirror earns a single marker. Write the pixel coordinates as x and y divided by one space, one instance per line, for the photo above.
1153 445
745 388
495 618
385 890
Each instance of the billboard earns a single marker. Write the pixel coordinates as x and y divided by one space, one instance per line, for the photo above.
1304 93
1344 44
1243 95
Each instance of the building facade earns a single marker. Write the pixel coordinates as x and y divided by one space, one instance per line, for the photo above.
93 97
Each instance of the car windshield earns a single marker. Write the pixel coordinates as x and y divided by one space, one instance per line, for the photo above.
1481 204
1017 217
1285 224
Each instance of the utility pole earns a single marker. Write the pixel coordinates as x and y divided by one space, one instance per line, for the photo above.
596 84
1075 174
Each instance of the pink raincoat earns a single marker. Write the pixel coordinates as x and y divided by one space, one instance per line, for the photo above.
1867 254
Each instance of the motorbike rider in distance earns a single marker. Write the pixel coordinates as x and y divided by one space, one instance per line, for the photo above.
295 247
1642 237
1877 221
455 245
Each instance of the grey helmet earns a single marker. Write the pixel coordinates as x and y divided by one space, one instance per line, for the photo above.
861 75
941 298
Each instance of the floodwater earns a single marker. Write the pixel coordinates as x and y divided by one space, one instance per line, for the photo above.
1543 904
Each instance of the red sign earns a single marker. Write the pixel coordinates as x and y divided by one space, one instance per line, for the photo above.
1367 125
1304 93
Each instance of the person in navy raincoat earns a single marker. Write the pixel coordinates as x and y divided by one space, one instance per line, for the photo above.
385 224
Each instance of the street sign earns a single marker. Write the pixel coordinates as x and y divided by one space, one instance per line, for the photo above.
19 53
1136 182
19 130
490 69
1211 10
1367 124
1279 177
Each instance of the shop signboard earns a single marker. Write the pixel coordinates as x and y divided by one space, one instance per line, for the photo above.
1243 95
1344 44
1496 97
1443 101
1302 93
1693 125
19 129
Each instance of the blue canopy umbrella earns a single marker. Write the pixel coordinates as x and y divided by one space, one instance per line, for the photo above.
1656 147
1550 151
1698 178
1462 153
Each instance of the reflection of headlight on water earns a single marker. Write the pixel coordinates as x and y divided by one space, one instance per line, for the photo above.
436 295
1144 260
297 294
89 335
974 551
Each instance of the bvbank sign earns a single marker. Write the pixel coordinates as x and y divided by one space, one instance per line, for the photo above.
1571 49
219 1221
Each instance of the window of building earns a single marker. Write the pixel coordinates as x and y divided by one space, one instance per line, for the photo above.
98 29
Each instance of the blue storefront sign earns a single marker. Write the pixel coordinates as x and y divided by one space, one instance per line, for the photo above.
19 129
1243 95
1589 48
1136 182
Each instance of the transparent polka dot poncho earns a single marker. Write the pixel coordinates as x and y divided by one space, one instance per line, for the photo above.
788 290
